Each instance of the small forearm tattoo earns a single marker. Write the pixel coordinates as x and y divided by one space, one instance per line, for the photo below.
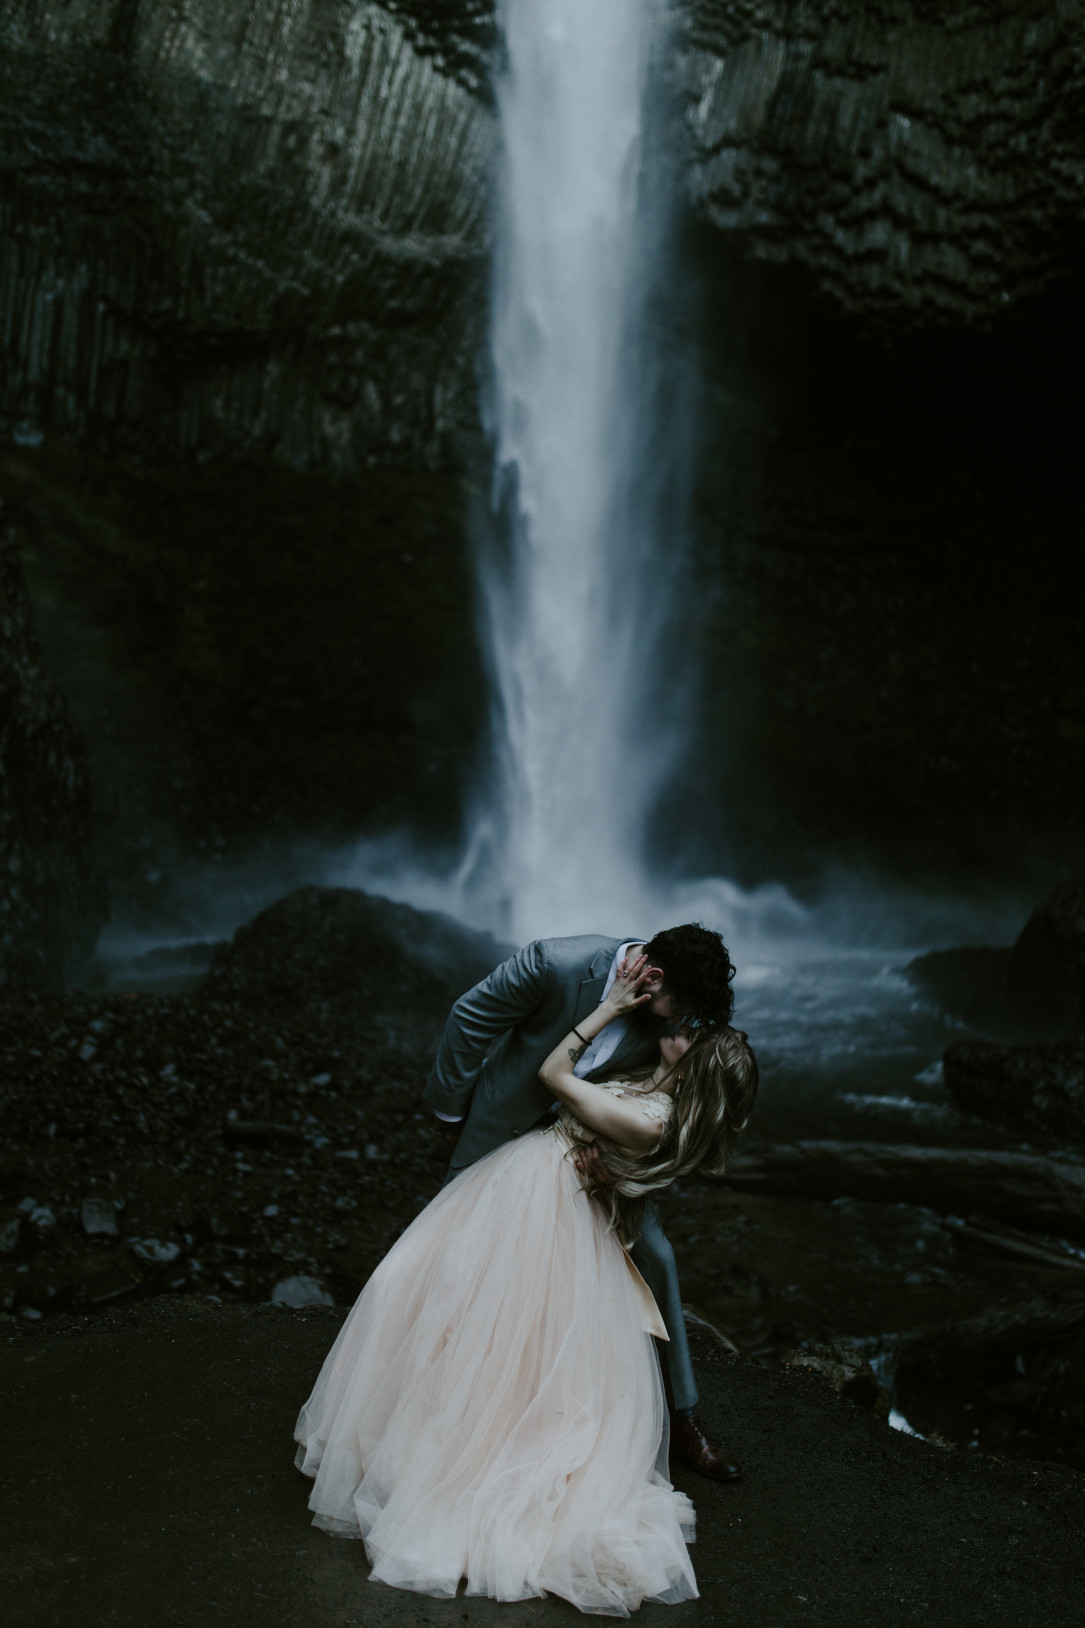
576 1053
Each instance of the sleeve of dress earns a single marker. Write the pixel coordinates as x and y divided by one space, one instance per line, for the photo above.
658 1115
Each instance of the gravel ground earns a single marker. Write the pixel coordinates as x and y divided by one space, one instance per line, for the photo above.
148 1481
219 1146
235 1144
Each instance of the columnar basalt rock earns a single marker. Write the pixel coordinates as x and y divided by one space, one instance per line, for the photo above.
51 901
233 228
924 163
891 263
242 249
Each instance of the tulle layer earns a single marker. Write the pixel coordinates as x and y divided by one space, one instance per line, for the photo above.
492 1408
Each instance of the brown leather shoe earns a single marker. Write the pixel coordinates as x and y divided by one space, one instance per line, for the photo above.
691 1444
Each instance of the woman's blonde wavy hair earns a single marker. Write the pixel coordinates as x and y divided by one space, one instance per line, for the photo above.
714 1098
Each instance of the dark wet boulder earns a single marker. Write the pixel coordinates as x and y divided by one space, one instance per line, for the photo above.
970 982
848 1371
1034 986
343 949
1034 1089
14 1232
1011 1380
1047 963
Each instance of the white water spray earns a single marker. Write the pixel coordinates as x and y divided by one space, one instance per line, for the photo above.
575 611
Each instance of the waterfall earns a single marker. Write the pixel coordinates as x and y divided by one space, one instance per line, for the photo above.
588 614
576 586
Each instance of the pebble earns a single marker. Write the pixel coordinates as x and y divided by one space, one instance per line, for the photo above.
99 1217
11 1231
301 1290
154 1252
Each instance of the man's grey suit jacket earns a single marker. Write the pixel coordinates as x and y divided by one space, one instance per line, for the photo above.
526 1006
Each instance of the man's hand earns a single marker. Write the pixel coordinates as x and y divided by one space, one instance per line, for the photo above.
593 1167
626 993
449 1129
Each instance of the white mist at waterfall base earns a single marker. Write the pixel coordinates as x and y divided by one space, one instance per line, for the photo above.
847 1045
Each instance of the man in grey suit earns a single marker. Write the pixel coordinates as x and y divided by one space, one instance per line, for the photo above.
484 1087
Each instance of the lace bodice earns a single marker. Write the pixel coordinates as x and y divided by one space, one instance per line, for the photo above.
656 1105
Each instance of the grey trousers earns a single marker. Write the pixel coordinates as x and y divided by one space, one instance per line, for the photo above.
654 1259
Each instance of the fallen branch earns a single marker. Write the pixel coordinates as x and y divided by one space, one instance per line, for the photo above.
1003 1240
695 1320
1021 1188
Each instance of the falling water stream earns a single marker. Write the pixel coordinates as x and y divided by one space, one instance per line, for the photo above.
575 594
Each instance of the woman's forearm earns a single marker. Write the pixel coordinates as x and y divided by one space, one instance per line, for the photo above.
557 1070
598 1110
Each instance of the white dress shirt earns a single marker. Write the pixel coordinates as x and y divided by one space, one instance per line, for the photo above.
606 1042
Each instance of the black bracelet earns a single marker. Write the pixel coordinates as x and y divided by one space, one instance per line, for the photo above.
579 1036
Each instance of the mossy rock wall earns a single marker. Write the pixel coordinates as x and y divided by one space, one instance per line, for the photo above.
243 304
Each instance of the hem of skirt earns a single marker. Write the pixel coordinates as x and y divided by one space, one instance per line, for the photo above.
434 1588
441 1589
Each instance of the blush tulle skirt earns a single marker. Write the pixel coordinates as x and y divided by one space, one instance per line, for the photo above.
492 1408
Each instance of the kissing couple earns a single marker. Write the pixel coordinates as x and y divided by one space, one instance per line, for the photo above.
500 1403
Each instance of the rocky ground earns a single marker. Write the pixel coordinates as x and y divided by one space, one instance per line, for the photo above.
147 1474
181 1172
263 1139
168 1143
265 1128
185 1143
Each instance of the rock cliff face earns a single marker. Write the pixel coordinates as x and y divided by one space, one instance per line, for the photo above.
51 898
242 306
924 162
242 260
238 228
892 264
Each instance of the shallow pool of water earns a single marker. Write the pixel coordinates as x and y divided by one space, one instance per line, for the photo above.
848 1049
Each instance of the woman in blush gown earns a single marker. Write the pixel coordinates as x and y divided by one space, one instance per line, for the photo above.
492 1409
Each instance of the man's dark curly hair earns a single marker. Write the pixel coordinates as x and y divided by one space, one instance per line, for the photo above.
697 971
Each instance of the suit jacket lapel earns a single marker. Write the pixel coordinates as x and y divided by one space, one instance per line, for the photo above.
588 997
590 992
